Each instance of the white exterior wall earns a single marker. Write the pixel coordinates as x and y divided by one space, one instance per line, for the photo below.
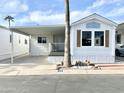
96 54
5 45
39 48
20 48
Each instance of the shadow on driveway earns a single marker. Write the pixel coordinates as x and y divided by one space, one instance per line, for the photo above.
30 60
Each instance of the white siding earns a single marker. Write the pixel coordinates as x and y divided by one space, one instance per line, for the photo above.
96 54
5 46
20 48
40 49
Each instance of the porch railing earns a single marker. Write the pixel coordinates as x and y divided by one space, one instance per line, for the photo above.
56 47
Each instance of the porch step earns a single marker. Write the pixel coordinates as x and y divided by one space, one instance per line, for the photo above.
56 54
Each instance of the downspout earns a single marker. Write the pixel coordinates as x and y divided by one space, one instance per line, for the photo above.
30 45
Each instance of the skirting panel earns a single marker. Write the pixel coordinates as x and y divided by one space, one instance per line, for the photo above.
92 59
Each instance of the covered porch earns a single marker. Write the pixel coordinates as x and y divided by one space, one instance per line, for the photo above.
44 40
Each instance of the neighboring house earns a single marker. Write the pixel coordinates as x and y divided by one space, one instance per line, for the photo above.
120 35
21 43
92 38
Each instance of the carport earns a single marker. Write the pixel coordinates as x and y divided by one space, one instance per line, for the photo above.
35 54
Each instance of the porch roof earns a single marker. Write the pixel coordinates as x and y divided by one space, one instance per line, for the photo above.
36 30
95 16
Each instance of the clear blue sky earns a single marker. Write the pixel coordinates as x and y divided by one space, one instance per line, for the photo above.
47 12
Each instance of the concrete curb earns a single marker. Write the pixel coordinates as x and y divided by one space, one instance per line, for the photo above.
55 72
16 70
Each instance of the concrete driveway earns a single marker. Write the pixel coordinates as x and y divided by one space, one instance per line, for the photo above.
62 84
28 60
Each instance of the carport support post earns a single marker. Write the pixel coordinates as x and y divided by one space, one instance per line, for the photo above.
29 44
11 47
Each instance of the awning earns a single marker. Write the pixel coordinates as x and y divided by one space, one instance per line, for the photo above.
37 30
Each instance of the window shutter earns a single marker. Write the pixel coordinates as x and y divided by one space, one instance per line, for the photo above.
107 38
78 38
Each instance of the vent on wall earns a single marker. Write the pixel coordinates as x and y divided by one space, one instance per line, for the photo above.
92 25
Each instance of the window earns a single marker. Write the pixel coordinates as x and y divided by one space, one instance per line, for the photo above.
42 40
118 38
99 38
86 38
93 25
26 42
19 41
10 38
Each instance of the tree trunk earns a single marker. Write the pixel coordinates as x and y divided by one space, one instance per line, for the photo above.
67 55
9 23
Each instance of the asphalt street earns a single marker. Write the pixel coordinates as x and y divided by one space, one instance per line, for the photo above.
62 84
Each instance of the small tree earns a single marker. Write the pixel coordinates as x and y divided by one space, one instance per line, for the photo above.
9 19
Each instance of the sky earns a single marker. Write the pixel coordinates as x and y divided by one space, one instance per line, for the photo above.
50 12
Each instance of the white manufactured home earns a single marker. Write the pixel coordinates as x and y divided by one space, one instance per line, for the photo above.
92 38
20 43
